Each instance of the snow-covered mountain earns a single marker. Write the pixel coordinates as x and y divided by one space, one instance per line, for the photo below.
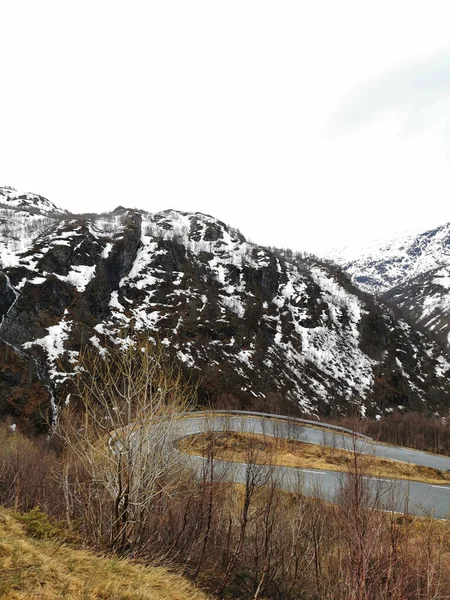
31 204
411 271
259 328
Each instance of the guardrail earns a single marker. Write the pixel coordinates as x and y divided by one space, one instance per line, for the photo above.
246 413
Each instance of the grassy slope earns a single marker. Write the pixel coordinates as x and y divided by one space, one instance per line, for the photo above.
43 569
277 451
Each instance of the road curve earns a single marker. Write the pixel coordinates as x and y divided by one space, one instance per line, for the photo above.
393 494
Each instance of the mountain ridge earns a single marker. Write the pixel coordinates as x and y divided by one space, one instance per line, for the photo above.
257 327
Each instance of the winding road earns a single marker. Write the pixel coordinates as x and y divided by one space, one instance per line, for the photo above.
392 494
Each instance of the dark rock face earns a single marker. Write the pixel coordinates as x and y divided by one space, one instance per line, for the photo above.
258 328
22 395
7 295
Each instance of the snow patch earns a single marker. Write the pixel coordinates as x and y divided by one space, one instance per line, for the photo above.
53 344
79 276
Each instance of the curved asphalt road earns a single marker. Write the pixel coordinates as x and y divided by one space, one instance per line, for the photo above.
393 494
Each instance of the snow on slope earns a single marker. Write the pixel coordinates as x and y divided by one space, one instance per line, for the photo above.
412 271
383 264
17 234
23 217
254 323
33 203
313 354
427 298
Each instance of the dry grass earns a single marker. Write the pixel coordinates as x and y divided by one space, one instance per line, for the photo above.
42 569
277 451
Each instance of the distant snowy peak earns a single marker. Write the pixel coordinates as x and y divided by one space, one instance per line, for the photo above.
28 202
382 265
426 297
410 271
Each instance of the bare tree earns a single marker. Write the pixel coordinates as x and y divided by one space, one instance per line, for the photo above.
130 398
256 476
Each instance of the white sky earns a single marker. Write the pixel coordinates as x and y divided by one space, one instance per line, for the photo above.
304 124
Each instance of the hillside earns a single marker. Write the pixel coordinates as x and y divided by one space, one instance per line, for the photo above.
33 567
257 327
411 271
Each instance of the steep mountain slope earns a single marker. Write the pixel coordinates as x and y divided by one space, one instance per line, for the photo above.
258 327
412 271
426 297
22 218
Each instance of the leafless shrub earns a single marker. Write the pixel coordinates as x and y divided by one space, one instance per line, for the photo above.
121 447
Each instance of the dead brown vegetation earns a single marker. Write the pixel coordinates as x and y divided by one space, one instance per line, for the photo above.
405 428
230 445
33 567
251 541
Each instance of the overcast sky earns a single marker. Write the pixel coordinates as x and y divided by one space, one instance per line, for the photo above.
304 124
